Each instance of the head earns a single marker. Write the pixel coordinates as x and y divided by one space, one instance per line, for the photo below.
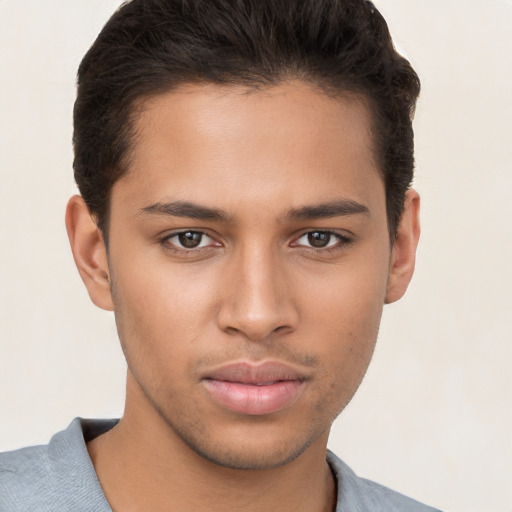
248 162
340 47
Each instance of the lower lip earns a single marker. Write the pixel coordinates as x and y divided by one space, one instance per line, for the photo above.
254 400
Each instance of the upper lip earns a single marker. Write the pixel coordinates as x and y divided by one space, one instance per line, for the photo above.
267 372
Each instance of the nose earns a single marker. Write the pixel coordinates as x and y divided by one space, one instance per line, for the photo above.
257 299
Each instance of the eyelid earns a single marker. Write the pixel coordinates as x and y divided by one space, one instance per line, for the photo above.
166 240
343 239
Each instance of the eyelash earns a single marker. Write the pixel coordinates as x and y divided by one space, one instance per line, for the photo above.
342 241
166 241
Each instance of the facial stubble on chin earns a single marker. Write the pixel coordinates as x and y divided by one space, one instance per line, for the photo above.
195 435
212 451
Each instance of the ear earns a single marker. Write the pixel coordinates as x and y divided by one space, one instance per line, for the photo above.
403 254
89 252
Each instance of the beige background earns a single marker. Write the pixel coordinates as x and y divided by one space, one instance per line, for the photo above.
433 418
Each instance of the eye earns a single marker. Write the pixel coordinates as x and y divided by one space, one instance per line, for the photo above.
188 240
321 240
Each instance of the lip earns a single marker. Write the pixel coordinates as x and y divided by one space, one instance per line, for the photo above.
254 389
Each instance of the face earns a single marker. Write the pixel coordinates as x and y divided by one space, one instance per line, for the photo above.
249 260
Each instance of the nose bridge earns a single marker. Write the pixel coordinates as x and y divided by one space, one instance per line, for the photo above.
257 299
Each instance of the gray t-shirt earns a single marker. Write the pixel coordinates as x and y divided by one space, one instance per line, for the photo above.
60 477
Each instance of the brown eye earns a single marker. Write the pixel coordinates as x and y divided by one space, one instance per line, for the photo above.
189 243
319 239
322 240
190 239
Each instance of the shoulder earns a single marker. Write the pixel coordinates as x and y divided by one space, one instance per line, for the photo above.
357 494
29 479
58 476
24 464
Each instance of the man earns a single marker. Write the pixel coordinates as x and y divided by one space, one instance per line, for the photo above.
245 211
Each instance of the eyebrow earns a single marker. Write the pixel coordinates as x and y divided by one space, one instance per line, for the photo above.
185 209
327 210
190 210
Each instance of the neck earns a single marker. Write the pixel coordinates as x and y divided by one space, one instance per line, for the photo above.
143 465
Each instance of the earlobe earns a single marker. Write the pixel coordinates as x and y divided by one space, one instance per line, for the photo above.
403 255
89 252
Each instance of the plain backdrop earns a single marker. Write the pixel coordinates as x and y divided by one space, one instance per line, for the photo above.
433 418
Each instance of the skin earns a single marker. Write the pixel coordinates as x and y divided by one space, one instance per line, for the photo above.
254 290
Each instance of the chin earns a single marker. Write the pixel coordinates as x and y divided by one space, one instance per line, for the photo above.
242 448
243 458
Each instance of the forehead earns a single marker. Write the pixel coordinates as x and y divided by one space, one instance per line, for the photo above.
288 142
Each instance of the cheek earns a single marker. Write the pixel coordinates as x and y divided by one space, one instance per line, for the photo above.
347 301
346 354
159 314
161 296
345 319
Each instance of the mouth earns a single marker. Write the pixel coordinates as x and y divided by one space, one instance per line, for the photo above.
254 389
